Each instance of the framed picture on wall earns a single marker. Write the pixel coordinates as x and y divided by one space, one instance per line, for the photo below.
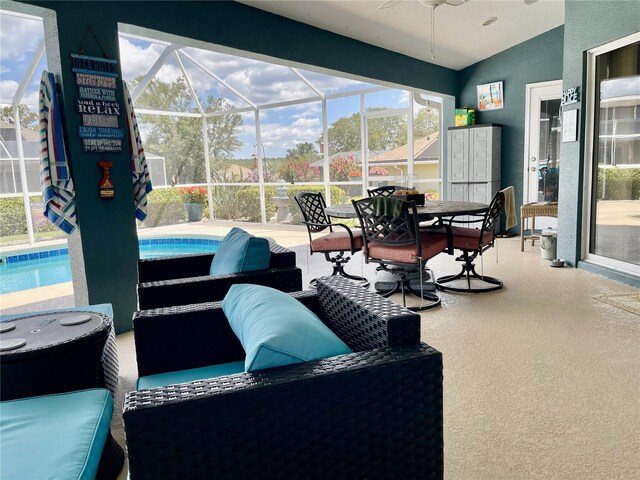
490 96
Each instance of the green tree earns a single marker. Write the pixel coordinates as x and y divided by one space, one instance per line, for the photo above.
303 151
385 133
426 122
344 134
28 119
179 139
296 166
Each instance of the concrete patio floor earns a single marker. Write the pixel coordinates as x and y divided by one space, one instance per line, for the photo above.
541 379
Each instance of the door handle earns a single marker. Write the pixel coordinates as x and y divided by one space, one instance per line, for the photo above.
534 159
533 169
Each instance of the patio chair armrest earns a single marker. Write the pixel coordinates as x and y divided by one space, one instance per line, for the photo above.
190 336
363 319
375 414
179 266
210 288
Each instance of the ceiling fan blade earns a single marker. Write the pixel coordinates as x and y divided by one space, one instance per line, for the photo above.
387 4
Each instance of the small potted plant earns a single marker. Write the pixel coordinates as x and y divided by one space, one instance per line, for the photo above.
194 199
355 175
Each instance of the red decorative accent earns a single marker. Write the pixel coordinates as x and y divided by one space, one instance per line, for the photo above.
106 186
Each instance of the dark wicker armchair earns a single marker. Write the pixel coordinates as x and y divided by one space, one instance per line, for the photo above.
185 279
374 413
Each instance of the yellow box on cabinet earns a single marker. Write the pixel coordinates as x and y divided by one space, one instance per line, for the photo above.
465 116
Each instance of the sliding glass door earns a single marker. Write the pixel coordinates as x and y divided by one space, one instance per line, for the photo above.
614 219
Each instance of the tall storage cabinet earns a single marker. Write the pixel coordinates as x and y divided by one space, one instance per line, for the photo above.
474 162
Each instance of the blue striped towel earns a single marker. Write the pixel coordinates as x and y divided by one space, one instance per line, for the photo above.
55 179
139 168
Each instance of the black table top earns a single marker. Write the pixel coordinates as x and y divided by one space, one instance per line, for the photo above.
431 209
42 331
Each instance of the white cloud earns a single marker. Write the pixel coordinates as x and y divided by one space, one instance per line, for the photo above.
306 122
137 60
280 137
8 89
19 37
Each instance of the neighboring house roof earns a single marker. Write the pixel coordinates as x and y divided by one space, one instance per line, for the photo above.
425 148
8 132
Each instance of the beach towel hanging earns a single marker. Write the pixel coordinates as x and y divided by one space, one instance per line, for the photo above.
139 168
58 192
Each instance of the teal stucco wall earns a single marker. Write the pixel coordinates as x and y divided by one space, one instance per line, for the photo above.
109 238
536 60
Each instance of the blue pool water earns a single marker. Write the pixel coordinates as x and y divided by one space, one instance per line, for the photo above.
39 269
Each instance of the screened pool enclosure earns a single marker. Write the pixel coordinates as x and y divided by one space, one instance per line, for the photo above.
237 137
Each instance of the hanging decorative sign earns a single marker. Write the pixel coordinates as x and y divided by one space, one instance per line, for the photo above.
571 95
100 132
101 145
92 93
88 80
98 107
93 65
106 187
100 121
97 102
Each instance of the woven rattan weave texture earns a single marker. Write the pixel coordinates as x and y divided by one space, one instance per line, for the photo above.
372 414
533 210
88 360
185 280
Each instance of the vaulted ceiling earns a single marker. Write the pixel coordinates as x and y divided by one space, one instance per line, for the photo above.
404 26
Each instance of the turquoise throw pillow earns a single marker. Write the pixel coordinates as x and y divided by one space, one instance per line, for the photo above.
275 329
239 252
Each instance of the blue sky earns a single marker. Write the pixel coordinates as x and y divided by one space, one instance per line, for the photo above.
261 83
19 39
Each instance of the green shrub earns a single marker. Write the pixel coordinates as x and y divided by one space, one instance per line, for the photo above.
618 184
337 196
164 208
12 218
249 199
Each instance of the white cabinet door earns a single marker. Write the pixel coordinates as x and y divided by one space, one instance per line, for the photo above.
481 149
458 192
459 155
479 192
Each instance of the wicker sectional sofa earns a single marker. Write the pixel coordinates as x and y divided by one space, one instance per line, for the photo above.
374 413
185 279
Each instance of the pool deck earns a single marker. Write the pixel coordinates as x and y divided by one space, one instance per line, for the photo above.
61 294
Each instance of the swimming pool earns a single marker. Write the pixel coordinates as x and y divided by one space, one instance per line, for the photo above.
22 271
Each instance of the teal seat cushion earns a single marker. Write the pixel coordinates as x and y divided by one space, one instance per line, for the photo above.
183 376
275 329
54 436
239 252
104 308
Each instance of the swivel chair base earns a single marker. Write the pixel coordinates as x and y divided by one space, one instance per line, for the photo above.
468 273
403 285
338 269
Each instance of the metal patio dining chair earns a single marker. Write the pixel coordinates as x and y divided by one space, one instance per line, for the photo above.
473 242
384 191
337 243
394 240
